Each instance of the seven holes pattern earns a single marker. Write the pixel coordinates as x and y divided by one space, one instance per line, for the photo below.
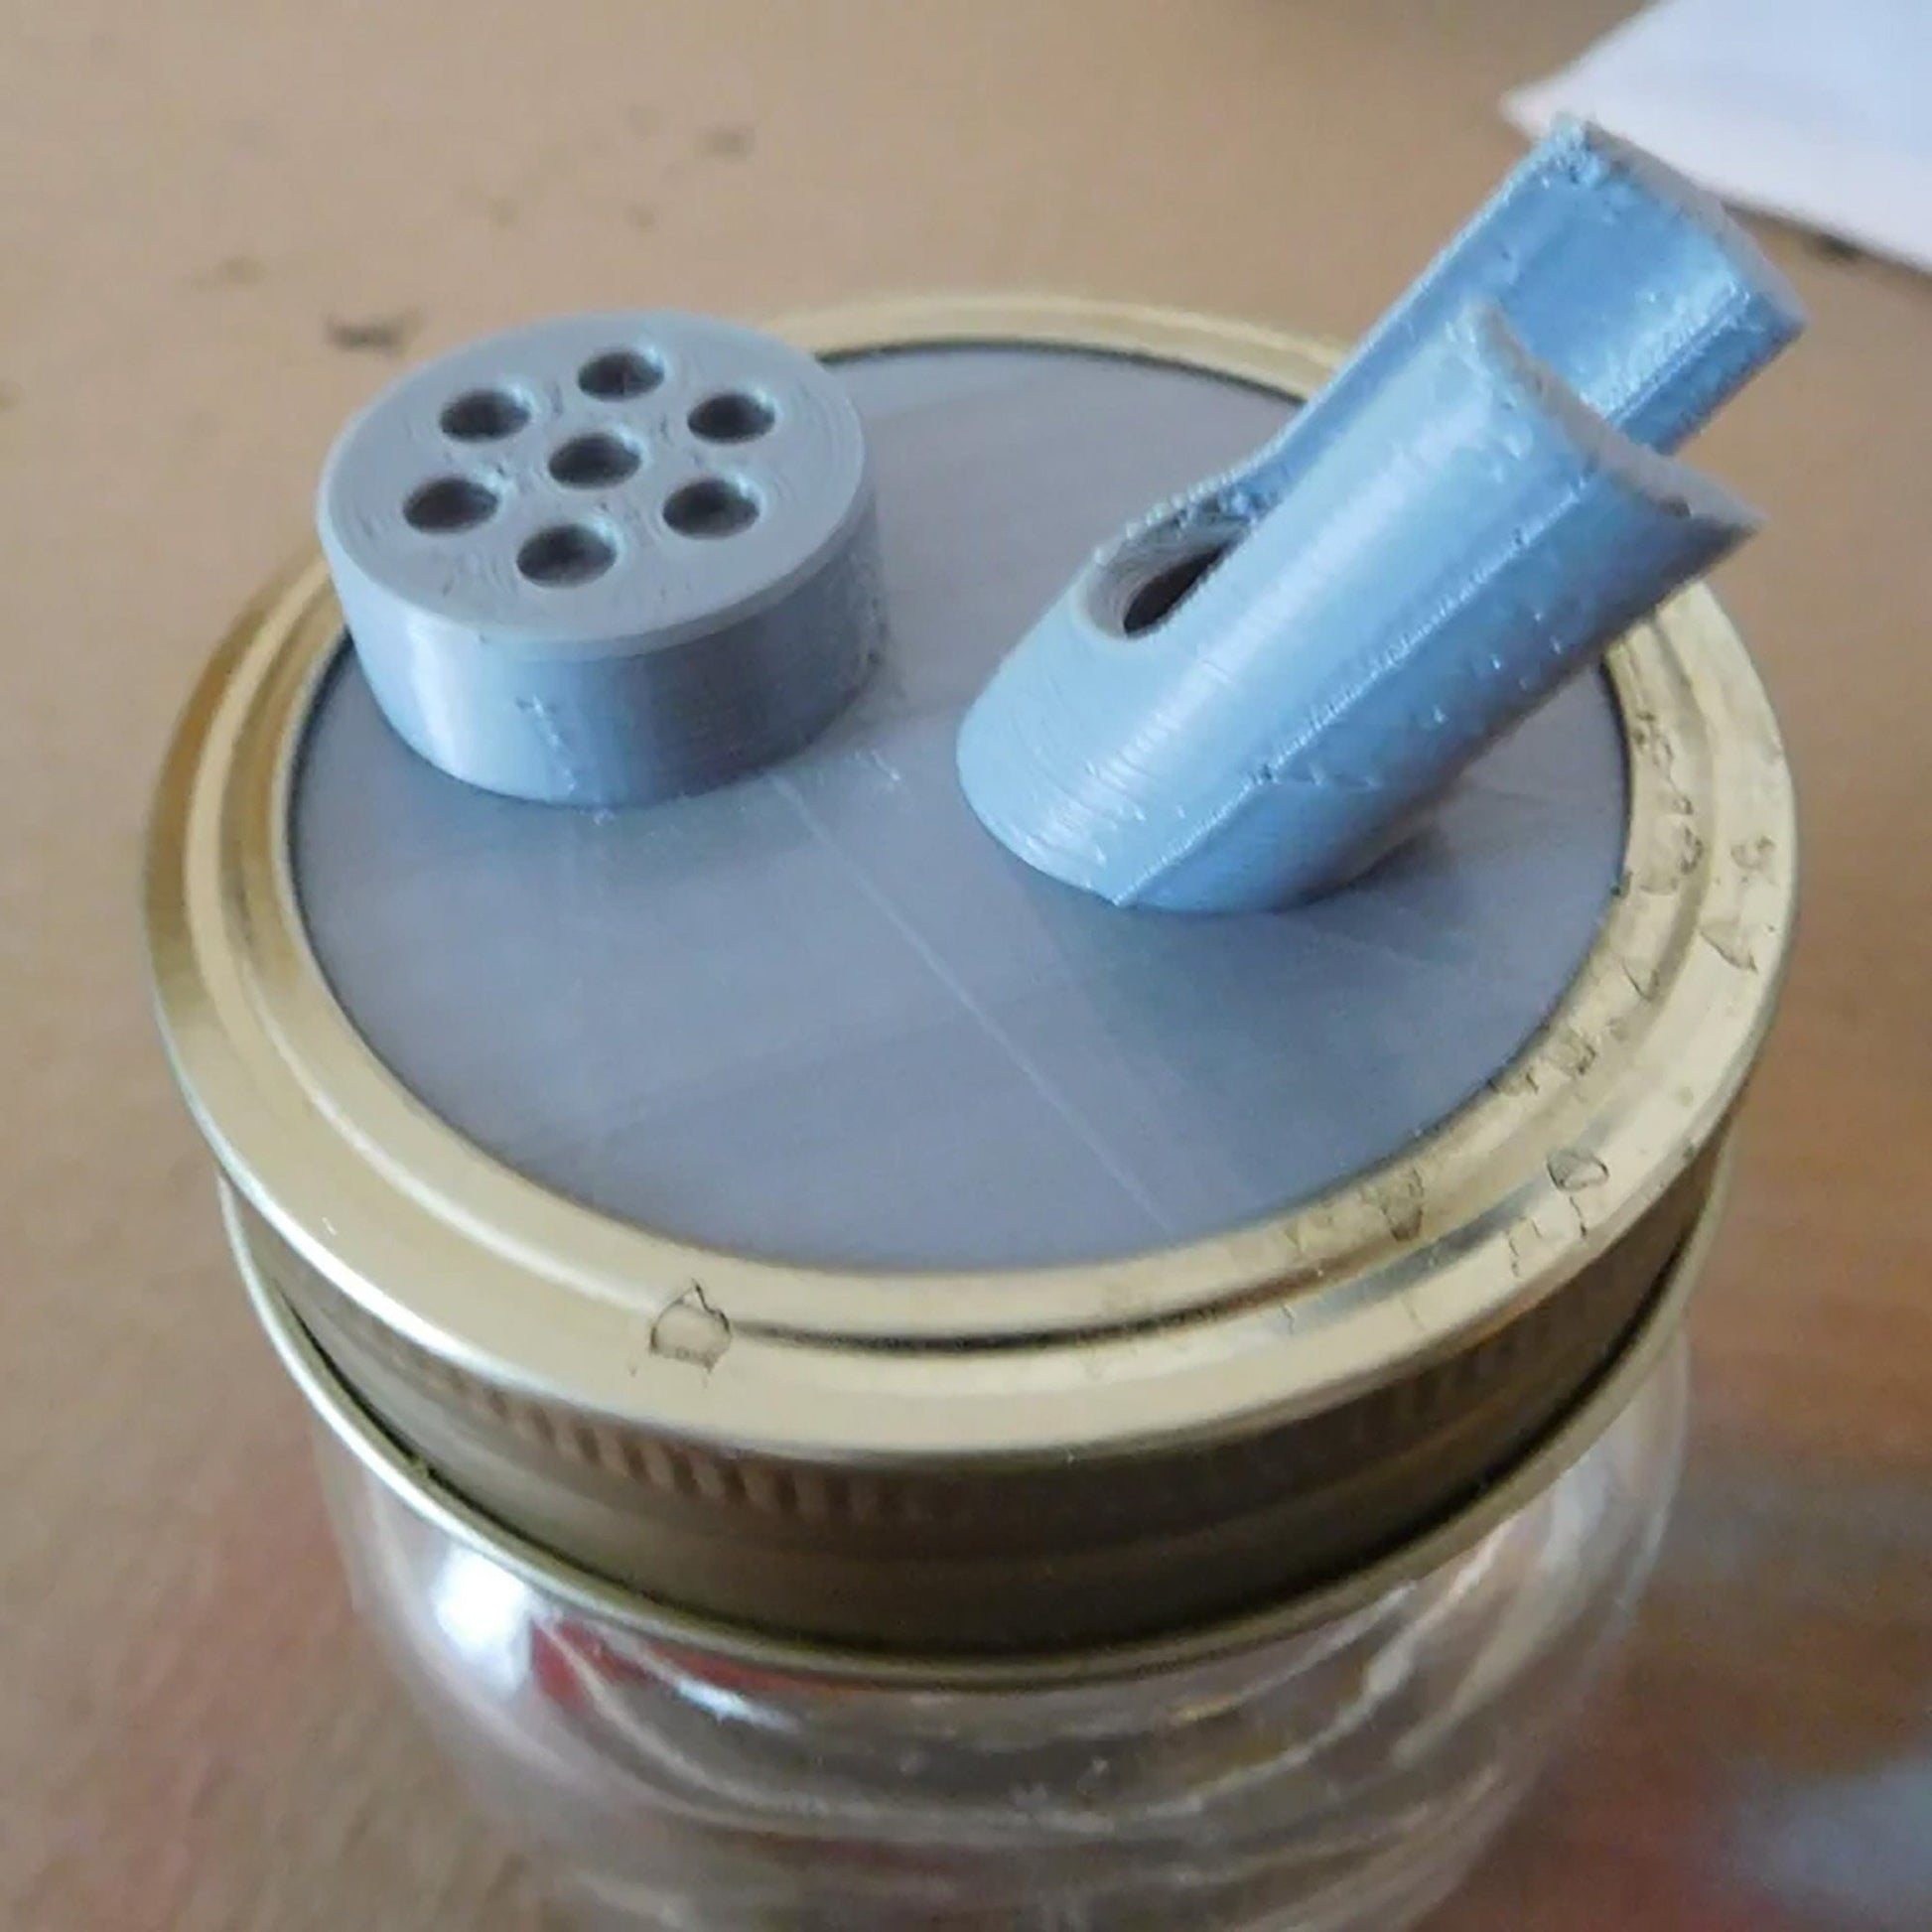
571 553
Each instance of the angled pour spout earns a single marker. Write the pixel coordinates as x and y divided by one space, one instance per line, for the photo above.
1251 693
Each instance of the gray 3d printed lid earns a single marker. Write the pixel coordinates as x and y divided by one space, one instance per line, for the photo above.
819 1016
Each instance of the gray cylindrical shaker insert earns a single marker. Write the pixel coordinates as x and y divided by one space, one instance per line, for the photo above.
607 559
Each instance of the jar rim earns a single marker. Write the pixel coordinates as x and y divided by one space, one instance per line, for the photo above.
337 1408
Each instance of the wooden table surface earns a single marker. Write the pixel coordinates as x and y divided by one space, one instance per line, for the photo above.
224 225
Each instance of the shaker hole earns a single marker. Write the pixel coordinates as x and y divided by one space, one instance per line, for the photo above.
710 507
448 504
619 374
565 554
587 461
483 416
731 417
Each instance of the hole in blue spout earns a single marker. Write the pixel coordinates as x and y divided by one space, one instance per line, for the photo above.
1157 599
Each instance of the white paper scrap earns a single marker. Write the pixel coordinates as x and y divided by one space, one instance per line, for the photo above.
1817 110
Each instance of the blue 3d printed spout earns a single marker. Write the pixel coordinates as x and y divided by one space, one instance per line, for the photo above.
1251 693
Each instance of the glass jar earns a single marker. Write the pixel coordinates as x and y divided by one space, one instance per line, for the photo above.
861 1389
1339 1777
